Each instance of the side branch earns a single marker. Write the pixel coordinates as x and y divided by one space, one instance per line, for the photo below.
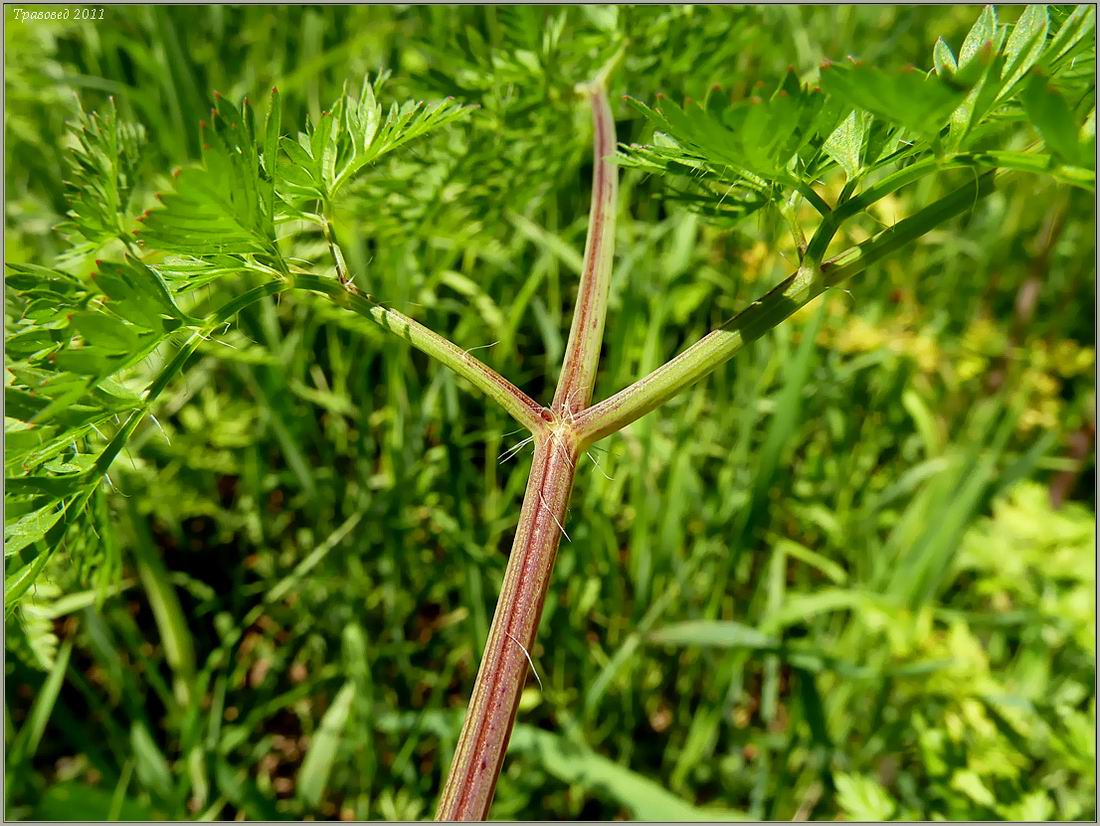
582 353
994 160
718 346
522 407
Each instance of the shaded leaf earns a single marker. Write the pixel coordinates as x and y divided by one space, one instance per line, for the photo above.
846 144
1073 36
73 800
224 206
1051 115
30 528
911 99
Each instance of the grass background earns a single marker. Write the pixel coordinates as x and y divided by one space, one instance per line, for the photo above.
852 574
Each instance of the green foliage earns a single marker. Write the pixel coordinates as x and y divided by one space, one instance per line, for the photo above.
73 335
103 166
733 157
828 583
1000 740
353 134
227 205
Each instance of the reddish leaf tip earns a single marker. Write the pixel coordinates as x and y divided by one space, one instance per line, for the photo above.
274 90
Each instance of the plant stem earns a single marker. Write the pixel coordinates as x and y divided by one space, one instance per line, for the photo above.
582 353
808 282
1018 161
479 756
522 407
333 248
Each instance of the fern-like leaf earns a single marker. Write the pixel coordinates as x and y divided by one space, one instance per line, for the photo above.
352 135
102 166
226 205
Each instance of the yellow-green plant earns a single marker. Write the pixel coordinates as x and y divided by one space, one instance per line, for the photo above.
965 122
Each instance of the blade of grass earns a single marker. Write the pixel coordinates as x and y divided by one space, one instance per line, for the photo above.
319 760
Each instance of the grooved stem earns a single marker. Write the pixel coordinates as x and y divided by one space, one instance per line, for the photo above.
582 353
483 742
479 756
804 285
522 407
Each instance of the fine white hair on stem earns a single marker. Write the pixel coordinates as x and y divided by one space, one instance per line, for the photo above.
161 429
482 346
530 662
115 487
554 517
209 339
598 466
558 444
514 451
569 404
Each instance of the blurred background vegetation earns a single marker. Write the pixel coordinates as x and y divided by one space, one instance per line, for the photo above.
850 575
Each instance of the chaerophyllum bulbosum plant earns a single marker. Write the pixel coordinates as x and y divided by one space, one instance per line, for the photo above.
1015 100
